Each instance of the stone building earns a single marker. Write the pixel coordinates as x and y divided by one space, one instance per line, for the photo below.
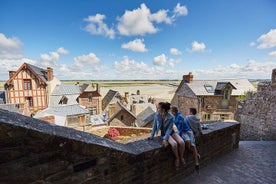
257 113
213 99
109 102
122 116
29 84
90 98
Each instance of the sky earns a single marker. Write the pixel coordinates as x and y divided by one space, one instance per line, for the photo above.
140 40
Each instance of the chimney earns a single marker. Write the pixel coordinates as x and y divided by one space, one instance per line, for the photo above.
188 78
138 92
273 78
50 73
126 95
11 73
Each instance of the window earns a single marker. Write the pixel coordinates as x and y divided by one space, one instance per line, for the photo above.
224 116
207 117
63 100
30 101
209 88
90 98
122 117
226 95
27 84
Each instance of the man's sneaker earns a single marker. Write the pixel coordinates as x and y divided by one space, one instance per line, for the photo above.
197 169
198 156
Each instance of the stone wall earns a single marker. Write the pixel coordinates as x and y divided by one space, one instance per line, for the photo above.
34 151
257 113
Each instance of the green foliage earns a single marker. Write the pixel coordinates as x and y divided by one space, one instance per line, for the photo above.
243 96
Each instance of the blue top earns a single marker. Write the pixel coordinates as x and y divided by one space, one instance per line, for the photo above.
167 125
181 123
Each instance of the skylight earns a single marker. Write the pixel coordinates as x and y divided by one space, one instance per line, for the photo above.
209 88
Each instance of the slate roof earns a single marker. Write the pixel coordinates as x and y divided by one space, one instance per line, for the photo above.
70 91
97 119
198 87
111 94
120 108
11 108
2 97
145 117
63 110
39 72
42 73
66 89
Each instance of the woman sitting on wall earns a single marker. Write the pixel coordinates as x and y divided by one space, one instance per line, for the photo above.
163 121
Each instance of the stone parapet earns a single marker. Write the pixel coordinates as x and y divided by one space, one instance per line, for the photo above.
34 151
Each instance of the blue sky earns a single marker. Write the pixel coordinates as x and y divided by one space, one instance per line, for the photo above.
123 39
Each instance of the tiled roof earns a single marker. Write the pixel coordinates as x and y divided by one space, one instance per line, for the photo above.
198 87
145 117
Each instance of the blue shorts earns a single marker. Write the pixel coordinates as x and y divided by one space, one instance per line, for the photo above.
189 136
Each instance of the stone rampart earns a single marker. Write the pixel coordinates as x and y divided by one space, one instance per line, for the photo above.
34 151
257 113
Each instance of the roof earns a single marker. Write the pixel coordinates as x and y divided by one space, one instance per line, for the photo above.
145 117
110 95
2 97
97 119
66 89
11 108
40 73
120 108
63 110
69 91
198 87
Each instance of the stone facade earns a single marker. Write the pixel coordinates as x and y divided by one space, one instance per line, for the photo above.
34 151
257 113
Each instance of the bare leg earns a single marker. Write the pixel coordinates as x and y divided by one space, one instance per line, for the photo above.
181 145
174 146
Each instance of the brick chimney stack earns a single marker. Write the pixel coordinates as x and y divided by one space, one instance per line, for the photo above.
188 78
50 73
11 73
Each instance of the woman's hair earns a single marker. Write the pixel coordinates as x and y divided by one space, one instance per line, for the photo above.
165 105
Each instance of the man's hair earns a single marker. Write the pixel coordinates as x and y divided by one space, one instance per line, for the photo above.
174 109
193 111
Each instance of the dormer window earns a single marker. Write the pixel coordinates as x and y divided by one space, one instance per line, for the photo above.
63 100
209 88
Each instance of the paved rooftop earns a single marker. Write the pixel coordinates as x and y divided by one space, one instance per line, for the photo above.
253 163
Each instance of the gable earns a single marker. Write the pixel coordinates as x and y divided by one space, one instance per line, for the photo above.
39 73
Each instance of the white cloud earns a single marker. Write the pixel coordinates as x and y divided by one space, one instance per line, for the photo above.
86 60
52 58
198 47
267 40
273 53
175 51
136 45
251 70
9 42
180 10
140 21
252 44
10 47
61 50
96 26
160 60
